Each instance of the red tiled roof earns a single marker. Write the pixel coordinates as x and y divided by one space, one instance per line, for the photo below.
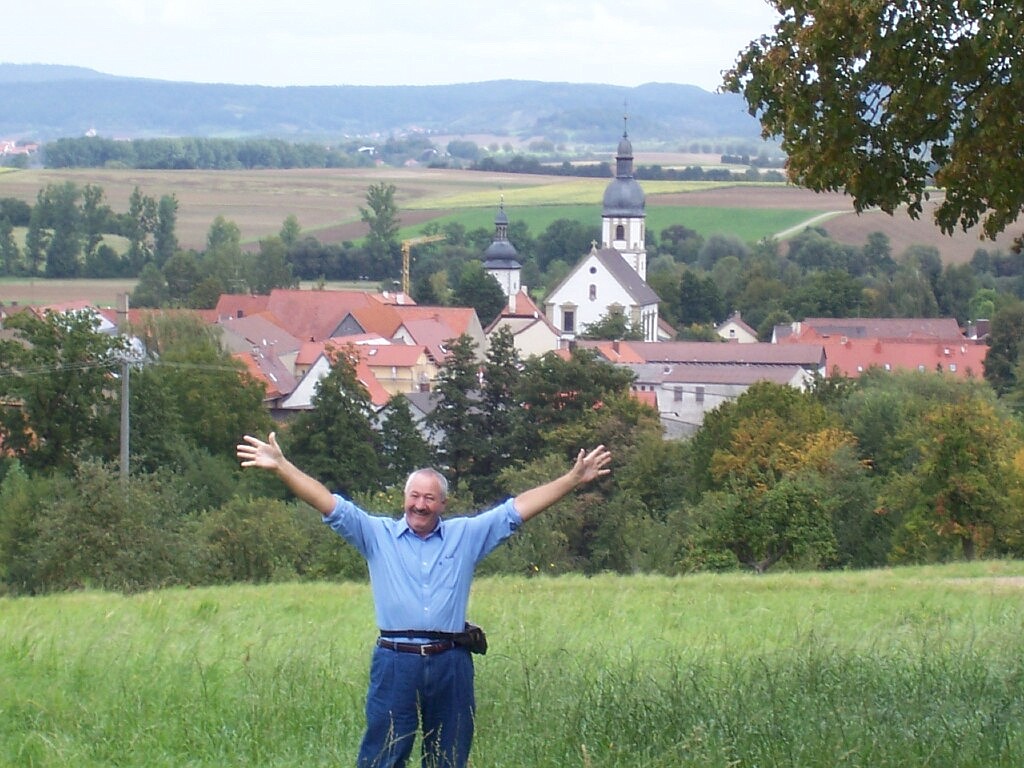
314 315
402 355
813 329
807 355
851 357
459 319
378 318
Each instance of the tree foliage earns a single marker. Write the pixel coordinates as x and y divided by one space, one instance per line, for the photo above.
957 496
884 98
335 441
402 447
478 289
57 397
190 396
380 214
457 417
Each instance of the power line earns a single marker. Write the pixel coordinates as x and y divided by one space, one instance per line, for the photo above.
82 366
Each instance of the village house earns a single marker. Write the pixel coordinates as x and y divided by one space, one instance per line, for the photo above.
400 344
532 332
734 329
855 345
688 379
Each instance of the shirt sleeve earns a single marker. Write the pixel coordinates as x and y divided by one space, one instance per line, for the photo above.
488 529
353 524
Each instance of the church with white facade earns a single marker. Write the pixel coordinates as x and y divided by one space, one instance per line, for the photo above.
610 279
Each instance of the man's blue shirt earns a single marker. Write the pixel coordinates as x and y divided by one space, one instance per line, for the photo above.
422 583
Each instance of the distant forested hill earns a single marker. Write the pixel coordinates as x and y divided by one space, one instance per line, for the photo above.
44 102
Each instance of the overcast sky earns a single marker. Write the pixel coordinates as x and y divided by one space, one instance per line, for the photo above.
391 42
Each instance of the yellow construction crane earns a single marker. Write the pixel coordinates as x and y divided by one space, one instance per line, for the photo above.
406 255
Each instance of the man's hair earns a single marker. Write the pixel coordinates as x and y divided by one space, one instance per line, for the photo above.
442 481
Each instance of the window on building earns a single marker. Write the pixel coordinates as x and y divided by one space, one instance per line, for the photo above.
677 394
593 292
620 232
568 320
699 392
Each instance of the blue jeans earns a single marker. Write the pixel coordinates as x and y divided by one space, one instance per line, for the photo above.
405 688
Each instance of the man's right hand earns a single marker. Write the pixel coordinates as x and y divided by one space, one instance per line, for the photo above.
268 455
256 453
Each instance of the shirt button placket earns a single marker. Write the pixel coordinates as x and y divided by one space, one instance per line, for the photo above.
425 573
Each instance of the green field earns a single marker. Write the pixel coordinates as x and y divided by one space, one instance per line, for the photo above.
750 225
904 667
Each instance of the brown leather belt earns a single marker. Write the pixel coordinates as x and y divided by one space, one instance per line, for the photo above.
423 649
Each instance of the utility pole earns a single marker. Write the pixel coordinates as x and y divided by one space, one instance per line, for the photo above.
122 325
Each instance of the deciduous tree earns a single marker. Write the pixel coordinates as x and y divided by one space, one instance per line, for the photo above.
959 489
192 395
884 99
479 290
56 390
381 217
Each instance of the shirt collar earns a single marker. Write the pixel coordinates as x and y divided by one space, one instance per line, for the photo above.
402 528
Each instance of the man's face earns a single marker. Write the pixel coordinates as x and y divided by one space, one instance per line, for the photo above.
423 503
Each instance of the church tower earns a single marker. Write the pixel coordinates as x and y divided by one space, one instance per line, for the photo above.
501 259
623 216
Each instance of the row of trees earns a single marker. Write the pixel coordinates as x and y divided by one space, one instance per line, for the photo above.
888 468
700 279
198 153
602 170
68 229
813 275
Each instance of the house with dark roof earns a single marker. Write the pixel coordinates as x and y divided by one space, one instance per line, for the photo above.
735 329
688 379
884 328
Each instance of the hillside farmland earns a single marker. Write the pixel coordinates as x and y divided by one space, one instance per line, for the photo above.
326 202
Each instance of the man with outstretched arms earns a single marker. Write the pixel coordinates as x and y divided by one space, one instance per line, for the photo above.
421 566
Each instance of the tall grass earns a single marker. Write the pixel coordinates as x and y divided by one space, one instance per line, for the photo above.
908 667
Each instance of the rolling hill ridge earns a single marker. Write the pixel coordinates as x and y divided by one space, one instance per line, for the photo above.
44 102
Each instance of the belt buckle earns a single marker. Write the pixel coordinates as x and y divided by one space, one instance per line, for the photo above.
423 649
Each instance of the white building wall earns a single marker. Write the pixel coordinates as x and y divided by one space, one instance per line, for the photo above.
588 295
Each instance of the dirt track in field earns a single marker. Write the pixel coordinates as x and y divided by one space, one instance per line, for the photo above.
844 224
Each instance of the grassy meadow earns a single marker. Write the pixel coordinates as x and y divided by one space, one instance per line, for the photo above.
903 667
